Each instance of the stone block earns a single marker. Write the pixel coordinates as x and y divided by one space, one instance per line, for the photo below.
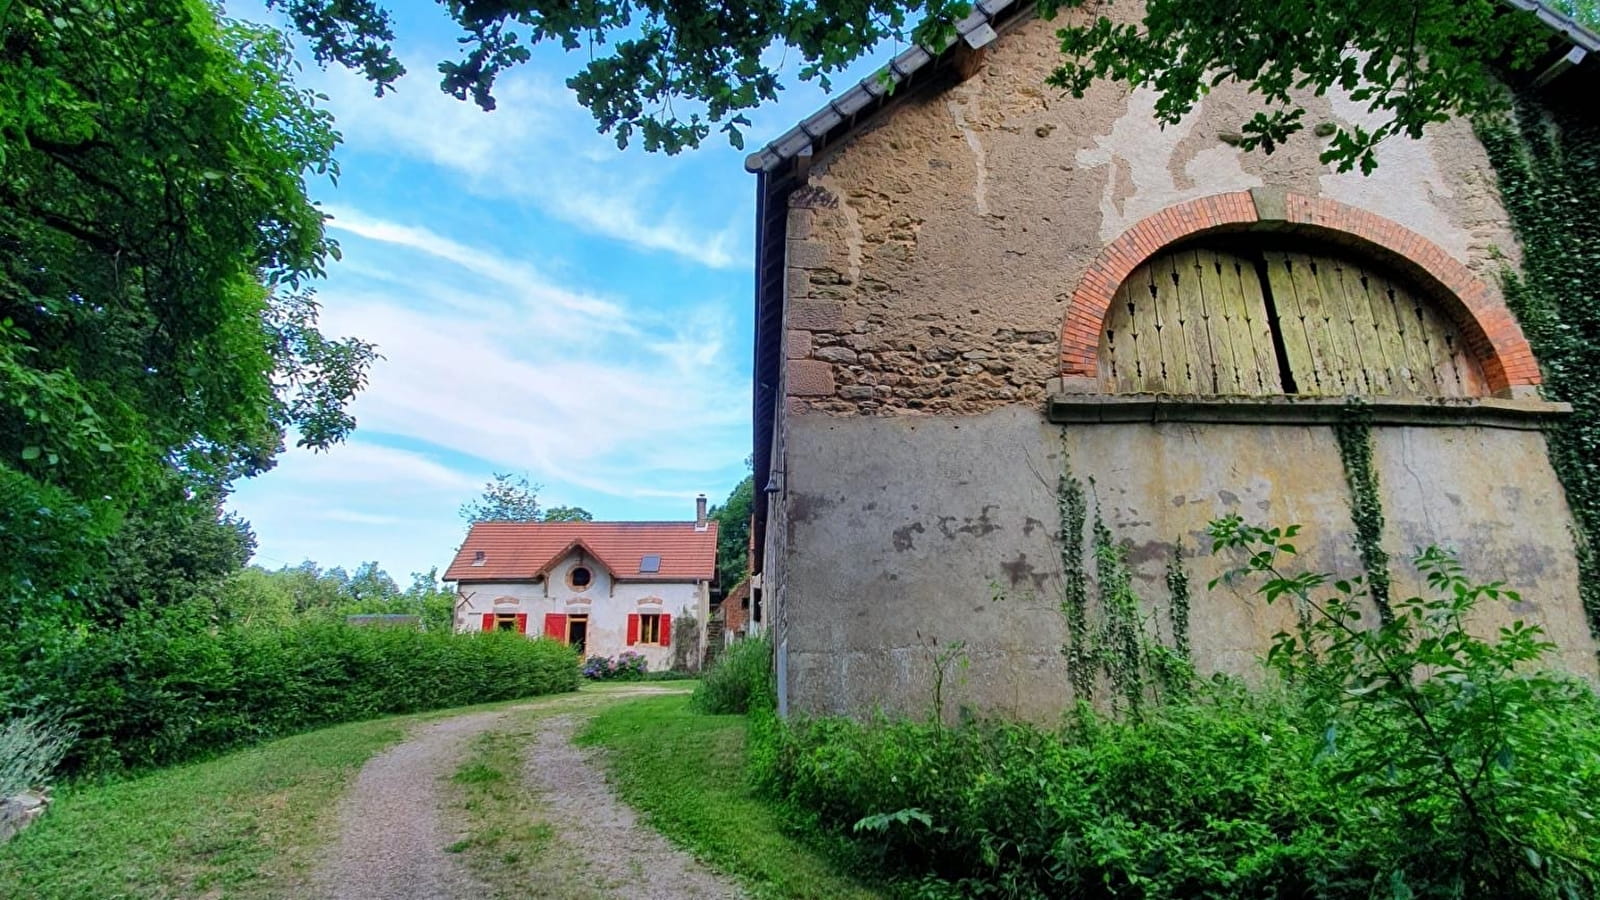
798 345
797 284
836 354
800 221
809 255
817 315
810 378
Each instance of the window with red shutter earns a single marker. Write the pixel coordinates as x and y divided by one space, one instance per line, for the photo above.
555 626
522 623
633 629
666 630
488 621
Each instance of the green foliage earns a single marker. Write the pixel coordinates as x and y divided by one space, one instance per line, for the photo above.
739 681
1112 638
307 593
713 59
512 498
1548 163
1412 64
157 339
1455 730
1354 435
1181 602
733 534
1411 759
1073 512
30 748
152 693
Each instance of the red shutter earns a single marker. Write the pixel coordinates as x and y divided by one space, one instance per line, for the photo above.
522 623
488 621
666 630
633 629
555 626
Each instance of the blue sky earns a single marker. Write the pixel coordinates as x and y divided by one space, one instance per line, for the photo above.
545 304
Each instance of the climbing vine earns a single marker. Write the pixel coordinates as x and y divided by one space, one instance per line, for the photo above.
1547 158
1113 639
1072 510
1354 434
1178 594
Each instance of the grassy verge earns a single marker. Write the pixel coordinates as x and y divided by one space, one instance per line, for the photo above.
250 824
685 772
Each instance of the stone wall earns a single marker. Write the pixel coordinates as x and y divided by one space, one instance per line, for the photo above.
933 256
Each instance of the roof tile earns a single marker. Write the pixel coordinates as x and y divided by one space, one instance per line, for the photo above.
520 550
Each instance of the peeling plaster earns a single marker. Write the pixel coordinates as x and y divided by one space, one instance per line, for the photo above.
1149 152
964 96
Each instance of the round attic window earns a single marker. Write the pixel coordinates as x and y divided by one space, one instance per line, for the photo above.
579 577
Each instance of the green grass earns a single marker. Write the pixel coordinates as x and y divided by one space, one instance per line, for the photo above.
249 824
685 772
512 853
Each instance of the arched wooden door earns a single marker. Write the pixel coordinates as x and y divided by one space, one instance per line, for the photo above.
1231 322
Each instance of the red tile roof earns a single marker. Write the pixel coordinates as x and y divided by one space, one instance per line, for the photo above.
517 551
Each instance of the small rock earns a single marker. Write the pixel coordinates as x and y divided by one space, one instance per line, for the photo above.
835 354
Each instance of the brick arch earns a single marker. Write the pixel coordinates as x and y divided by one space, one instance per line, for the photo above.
1491 333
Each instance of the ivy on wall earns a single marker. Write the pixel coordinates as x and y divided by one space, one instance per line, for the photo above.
1072 509
1547 159
1354 435
1110 639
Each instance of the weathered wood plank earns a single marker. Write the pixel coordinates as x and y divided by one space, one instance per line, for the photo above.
1382 353
1354 326
1292 324
1212 376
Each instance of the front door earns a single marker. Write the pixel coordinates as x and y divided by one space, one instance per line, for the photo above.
577 632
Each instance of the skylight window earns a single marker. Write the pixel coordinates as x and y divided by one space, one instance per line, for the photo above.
479 558
650 564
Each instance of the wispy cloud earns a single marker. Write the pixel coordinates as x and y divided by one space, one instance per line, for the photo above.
539 145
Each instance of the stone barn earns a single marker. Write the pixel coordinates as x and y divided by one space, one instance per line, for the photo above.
976 295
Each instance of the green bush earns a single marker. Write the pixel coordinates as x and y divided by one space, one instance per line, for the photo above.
1401 759
739 681
153 694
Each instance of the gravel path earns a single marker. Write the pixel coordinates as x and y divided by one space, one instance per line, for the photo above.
392 841
393 830
624 858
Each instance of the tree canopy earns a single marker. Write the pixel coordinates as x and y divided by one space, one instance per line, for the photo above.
733 533
512 498
669 71
158 336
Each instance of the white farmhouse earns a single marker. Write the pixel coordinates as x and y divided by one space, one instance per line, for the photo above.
603 587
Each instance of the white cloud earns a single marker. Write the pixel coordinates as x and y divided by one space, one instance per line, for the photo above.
539 145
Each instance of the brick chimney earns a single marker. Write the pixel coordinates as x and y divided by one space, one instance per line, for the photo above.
700 513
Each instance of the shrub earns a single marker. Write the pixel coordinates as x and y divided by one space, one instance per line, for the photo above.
626 666
739 681
1408 759
30 748
157 693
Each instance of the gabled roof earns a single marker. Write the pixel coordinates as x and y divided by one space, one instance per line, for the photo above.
520 551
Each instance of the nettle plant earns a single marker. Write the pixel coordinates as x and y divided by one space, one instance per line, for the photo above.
1483 764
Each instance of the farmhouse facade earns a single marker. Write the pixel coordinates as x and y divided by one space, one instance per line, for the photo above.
974 292
603 587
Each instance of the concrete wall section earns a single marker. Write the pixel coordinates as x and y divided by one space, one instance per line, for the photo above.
907 536
1491 496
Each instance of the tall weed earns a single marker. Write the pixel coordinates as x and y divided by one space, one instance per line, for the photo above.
739 681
